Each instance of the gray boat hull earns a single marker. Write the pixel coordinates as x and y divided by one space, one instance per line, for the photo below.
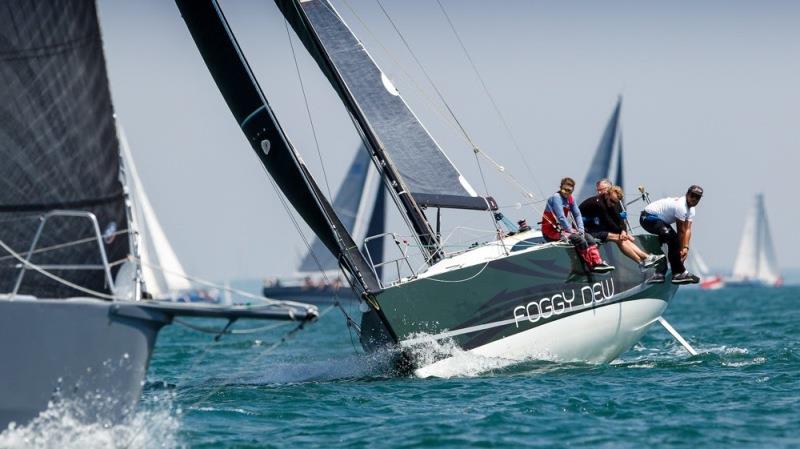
80 350
490 305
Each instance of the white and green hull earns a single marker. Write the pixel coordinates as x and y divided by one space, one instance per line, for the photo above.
537 302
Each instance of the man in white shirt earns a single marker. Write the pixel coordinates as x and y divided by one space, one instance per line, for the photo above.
657 218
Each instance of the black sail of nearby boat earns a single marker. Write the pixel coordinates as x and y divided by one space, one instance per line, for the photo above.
601 164
239 88
58 144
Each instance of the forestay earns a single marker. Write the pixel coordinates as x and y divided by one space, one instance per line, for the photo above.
424 169
58 144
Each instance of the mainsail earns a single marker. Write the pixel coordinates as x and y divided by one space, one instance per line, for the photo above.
58 144
427 173
249 106
351 204
756 260
162 272
601 164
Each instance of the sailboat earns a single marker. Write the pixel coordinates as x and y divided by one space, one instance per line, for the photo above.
361 204
169 279
756 264
512 297
73 325
603 159
708 280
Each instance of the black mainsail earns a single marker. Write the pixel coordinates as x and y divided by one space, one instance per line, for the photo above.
419 172
58 144
602 161
239 88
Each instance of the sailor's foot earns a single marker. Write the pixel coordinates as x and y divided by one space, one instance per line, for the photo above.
602 267
651 260
685 278
657 278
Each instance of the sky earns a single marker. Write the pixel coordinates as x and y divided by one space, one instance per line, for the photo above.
710 97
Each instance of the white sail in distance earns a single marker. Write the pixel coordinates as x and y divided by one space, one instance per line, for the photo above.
756 260
162 272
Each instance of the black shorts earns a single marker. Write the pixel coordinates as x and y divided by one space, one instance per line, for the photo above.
600 235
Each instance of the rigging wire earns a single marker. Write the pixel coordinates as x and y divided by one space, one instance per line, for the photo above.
491 99
308 109
464 134
64 245
428 77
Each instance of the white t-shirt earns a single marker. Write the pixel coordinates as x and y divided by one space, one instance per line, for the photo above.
671 209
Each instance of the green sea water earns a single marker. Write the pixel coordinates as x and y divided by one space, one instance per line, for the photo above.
318 389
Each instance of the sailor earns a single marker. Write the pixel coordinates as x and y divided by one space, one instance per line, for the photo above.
556 226
602 217
602 186
657 219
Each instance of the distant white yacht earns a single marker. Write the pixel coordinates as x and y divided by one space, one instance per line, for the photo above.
756 264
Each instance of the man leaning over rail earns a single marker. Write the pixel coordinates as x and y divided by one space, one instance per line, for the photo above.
657 219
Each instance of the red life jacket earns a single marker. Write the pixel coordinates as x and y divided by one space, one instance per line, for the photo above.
551 229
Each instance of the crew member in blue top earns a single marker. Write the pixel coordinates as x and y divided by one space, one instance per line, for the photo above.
556 226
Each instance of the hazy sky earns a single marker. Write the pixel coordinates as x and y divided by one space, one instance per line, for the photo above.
710 90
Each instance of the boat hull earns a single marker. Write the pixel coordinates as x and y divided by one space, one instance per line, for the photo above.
89 353
536 303
312 295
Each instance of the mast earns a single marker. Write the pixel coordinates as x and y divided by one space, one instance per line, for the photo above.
249 106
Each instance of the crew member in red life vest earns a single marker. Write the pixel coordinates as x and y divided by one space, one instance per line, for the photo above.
556 226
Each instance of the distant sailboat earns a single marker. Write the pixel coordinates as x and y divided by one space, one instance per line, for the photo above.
360 202
708 280
756 264
154 247
602 163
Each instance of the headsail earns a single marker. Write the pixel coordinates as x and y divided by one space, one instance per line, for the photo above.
58 144
756 260
239 88
351 205
427 173
162 271
601 162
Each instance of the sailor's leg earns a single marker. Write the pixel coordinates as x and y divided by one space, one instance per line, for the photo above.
666 235
631 250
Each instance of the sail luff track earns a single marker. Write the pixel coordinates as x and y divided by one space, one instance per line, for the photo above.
240 89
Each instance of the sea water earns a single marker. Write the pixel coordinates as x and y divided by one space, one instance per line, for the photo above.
317 389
